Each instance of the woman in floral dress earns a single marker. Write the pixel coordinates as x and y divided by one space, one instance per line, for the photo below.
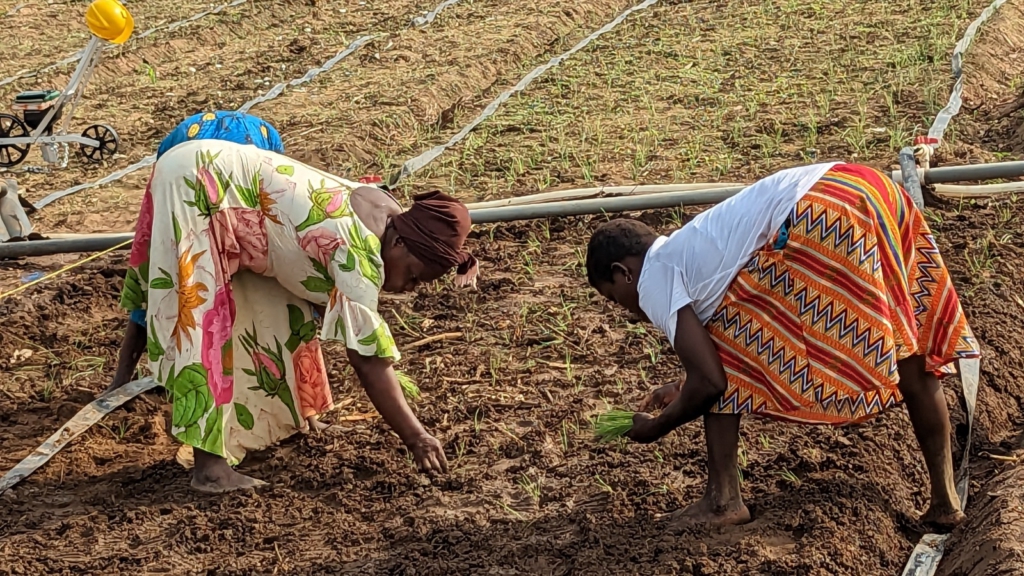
244 244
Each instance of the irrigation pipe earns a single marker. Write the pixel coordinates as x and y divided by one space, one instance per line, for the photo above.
86 417
603 191
633 198
966 173
602 205
92 242
163 27
979 191
413 165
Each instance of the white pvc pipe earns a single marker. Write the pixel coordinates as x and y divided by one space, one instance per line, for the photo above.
977 191
603 191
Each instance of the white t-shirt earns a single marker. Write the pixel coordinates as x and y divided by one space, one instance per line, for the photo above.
698 262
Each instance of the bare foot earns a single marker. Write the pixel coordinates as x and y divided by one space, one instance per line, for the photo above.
704 511
223 481
213 475
943 519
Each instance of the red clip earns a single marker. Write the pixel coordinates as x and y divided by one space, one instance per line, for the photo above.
926 140
371 179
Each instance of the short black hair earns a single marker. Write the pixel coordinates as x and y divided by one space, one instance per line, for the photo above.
613 242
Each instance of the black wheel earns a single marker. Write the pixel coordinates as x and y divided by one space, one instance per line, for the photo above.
12 154
108 143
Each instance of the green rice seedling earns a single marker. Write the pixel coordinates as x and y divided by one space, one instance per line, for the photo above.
409 387
613 424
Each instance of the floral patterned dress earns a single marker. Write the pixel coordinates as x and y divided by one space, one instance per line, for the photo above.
242 242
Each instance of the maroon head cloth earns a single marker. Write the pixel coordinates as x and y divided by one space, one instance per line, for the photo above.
434 230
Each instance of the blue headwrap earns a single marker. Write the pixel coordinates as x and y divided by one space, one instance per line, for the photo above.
234 127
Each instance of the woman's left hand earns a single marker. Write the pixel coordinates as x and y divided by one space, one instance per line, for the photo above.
428 454
645 429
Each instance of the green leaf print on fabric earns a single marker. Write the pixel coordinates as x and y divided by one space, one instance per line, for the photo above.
213 435
350 262
144 274
301 329
295 317
322 284
191 435
286 170
249 192
367 249
132 295
320 268
317 285
153 346
192 396
244 416
270 370
327 203
177 229
308 331
339 329
383 340
162 282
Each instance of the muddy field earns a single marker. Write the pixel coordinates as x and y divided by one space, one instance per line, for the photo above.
681 92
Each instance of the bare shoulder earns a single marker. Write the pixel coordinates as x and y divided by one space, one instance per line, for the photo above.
373 206
372 195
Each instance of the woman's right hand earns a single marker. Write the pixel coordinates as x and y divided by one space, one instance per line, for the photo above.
381 384
428 454
660 397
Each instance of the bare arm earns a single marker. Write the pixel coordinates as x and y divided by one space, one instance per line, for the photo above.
704 386
132 347
378 378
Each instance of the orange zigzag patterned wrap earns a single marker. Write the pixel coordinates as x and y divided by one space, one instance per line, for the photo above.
812 332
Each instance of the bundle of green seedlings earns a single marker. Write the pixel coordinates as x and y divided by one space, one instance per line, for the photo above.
409 387
613 425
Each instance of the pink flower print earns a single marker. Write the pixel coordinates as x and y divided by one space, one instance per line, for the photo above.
239 236
217 352
320 244
143 230
260 359
336 202
213 191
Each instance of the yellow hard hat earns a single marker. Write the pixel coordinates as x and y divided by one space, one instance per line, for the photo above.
109 20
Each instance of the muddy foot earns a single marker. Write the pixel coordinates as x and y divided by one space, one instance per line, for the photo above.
223 480
943 519
704 512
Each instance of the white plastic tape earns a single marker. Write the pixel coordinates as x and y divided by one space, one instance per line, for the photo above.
86 417
415 164
953 106
269 95
427 18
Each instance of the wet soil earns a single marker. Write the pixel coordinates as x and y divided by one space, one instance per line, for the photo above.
530 491
538 353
